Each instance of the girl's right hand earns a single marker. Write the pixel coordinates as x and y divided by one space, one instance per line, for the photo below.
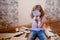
34 18
35 24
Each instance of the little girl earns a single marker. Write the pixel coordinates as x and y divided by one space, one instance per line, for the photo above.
37 29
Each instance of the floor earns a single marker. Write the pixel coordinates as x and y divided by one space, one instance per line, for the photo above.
22 37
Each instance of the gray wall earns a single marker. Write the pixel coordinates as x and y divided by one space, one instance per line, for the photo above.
8 12
17 12
52 8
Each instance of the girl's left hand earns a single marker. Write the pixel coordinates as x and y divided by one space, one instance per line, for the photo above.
38 18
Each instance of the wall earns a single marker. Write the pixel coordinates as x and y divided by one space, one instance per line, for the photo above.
52 8
8 13
17 12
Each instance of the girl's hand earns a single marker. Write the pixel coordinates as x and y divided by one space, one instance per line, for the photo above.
35 24
38 18
39 24
34 18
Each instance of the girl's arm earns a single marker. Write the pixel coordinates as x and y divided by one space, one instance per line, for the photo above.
41 22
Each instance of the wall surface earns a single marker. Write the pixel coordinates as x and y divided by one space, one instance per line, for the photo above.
52 7
8 12
17 12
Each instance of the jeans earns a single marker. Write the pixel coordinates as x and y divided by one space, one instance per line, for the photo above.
40 34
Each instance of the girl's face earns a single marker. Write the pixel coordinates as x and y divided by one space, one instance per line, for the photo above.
36 13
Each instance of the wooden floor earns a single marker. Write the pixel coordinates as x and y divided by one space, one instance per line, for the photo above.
22 37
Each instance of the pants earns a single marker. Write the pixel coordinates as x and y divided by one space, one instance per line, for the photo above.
40 34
